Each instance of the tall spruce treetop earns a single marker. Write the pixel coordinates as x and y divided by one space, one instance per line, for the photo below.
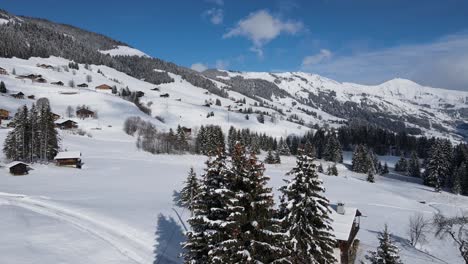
305 215
414 169
360 161
387 252
438 166
254 235
209 213
333 149
189 192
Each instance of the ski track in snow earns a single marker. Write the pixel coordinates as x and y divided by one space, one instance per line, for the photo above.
126 242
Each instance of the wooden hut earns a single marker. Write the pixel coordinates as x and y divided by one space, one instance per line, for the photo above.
104 87
60 83
345 224
18 168
55 116
166 95
69 159
66 124
40 80
84 113
19 95
83 85
3 71
4 114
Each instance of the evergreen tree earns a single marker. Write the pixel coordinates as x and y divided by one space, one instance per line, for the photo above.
181 140
277 157
270 158
283 148
402 165
232 139
3 88
458 177
361 160
385 169
188 194
320 168
387 252
437 167
333 149
210 213
414 169
305 215
332 170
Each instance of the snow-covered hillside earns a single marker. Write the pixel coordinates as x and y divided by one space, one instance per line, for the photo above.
124 51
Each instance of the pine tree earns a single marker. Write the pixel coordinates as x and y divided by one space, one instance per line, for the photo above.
283 148
333 149
232 139
270 158
181 140
402 165
387 252
361 160
305 215
385 169
3 88
210 213
414 169
189 192
320 168
457 181
437 167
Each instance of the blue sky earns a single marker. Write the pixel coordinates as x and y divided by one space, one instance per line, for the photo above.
365 41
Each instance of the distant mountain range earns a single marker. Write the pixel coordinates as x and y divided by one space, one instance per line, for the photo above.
296 97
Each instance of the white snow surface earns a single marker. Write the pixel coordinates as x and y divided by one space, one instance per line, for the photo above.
68 155
343 223
124 51
107 211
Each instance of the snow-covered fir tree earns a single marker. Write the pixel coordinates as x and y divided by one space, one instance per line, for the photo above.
361 161
277 157
283 148
320 168
402 165
186 197
387 252
210 213
332 170
438 167
385 169
333 150
414 168
305 215
370 176
270 158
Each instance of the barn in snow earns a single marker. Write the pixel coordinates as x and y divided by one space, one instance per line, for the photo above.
69 159
18 168
345 225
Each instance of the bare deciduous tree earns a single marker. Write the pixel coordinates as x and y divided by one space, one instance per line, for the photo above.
418 228
70 111
455 228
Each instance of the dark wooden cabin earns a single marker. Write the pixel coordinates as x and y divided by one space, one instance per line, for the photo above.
166 95
60 83
66 124
18 168
84 113
69 159
40 80
82 85
103 87
19 95
3 71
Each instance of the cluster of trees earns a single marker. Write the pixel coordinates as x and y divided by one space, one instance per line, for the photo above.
255 142
321 144
34 137
151 140
234 219
210 139
134 97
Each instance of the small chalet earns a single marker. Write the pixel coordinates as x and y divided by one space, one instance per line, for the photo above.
166 95
345 225
30 76
187 130
40 80
18 168
4 114
32 97
103 87
69 159
66 124
82 85
45 66
3 71
84 113
19 95
60 83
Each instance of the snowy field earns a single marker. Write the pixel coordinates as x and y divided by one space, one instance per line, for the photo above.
107 212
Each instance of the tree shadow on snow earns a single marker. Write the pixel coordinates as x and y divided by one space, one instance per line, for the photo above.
169 236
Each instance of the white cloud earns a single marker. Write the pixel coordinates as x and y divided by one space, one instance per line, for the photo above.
216 2
215 15
261 27
323 55
441 63
199 67
222 64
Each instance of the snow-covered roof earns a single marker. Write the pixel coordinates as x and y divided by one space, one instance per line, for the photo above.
68 155
342 223
60 121
14 163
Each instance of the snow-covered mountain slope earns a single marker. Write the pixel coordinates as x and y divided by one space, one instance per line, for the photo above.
124 51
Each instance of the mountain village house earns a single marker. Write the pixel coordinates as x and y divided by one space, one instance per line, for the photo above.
66 124
19 95
4 114
69 159
84 113
18 168
3 71
104 87
82 85
345 228
60 83
55 116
